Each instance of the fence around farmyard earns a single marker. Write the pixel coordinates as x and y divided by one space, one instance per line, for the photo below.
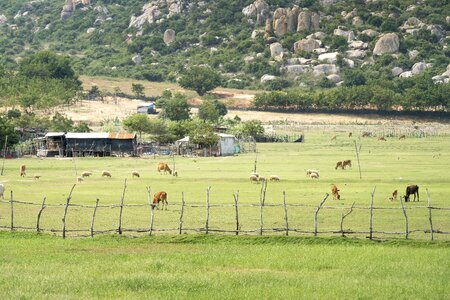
288 215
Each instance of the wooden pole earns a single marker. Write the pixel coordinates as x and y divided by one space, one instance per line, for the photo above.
406 218
357 157
429 215
261 204
262 193
121 206
371 215
152 209
4 155
181 213
317 212
236 198
39 215
93 217
11 202
285 213
207 209
256 161
65 212
344 216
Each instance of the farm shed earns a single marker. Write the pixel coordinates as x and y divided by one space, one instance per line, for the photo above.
227 145
53 144
100 144
123 143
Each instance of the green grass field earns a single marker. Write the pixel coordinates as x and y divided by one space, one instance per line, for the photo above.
199 266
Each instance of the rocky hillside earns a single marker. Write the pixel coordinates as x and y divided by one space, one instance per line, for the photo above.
271 43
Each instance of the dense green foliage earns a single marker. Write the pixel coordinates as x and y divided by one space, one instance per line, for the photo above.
200 79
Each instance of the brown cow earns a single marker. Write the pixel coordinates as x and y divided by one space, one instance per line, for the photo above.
412 189
164 167
402 137
160 197
346 163
335 192
394 196
339 165
23 169
350 134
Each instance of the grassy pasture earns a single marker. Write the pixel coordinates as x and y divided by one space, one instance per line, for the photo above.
387 165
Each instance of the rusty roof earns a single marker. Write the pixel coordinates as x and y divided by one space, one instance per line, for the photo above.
121 135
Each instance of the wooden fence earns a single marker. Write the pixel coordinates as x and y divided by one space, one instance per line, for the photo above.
235 206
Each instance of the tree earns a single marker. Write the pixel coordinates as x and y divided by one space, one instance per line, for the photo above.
137 89
82 127
46 64
61 123
200 79
174 108
137 123
203 134
208 111
7 130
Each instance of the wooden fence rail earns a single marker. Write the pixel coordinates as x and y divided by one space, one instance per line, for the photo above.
207 228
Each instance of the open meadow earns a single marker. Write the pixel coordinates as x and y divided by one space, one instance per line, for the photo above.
389 165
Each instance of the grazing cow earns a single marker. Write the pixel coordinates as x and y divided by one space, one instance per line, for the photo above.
164 167
79 179
160 197
333 138
2 190
346 163
106 173
394 196
402 137
412 189
23 169
339 164
86 174
350 134
335 192
135 173
382 138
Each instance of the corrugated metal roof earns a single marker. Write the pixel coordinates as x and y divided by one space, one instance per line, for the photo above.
87 135
224 135
50 134
121 135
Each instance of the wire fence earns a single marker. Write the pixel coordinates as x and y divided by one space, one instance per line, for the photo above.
230 218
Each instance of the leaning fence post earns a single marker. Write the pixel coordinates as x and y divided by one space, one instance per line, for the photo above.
262 193
93 217
65 212
152 210
207 209
121 206
406 218
429 214
181 213
371 214
11 202
317 212
39 215
285 213
261 204
344 216
236 198
357 157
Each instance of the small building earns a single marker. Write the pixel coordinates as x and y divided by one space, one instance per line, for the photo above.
147 108
227 145
53 144
100 144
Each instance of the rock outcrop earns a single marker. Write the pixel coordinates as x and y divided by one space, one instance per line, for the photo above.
3 19
325 69
308 21
266 78
418 68
306 45
387 43
257 12
276 51
67 10
329 57
152 12
169 36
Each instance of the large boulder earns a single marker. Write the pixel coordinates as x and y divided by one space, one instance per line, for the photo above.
447 72
370 33
292 18
266 78
294 70
334 78
387 43
357 21
3 19
137 59
329 57
418 68
257 12
349 35
396 71
276 51
150 14
169 36
358 54
67 10
358 45
325 69
306 45
280 22
406 74
308 21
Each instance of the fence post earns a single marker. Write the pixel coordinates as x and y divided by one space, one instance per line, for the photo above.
207 209
429 214
181 213
152 209
121 206
406 218
93 217
11 202
344 216
65 212
262 193
317 212
261 204
4 155
39 215
236 198
285 213
371 215
357 157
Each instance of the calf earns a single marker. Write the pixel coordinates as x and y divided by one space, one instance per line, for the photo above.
160 197
394 196
346 163
339 164
164 167
412 189
335 192
23 169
